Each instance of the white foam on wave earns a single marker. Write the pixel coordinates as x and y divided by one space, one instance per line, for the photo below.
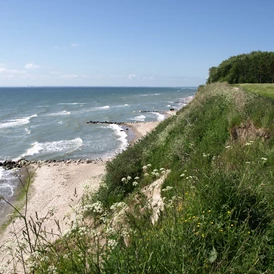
72 104
122 136
160 117
7 183
64 146
104 107
60 113
17 122
140 118
27 131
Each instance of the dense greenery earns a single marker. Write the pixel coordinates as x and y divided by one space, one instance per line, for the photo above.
255 67
218 214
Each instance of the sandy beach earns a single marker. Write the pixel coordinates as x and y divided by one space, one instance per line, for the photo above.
57 187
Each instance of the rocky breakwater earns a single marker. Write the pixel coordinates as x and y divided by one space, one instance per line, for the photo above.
9 164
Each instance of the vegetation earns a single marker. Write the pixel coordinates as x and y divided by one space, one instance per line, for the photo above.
261 89
255 67
215 159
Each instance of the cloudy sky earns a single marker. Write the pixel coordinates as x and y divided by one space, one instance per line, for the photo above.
126 42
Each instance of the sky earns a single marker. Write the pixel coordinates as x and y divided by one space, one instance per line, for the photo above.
154 43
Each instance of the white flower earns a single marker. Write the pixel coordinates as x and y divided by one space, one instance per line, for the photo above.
136 178
129 178
123 180
148 165
135 183
182 175
144 167
167 188
264 159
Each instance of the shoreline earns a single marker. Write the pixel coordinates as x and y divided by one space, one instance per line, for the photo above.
59 186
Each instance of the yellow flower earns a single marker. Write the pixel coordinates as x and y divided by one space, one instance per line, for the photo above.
221 230
194 217
232 225
203 235
211 223
228 212
198 225
209 211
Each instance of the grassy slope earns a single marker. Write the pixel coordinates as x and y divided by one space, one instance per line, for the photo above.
219 198
220 153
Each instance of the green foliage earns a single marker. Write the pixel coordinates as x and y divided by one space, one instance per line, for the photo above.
255 67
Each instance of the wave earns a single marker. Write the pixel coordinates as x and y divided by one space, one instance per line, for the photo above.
27 130
72 104
150 94
140 118
17 122
160 117
6 190
122 136
60 113
104 107
64 146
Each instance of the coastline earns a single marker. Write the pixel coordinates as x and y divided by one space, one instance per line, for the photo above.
58 187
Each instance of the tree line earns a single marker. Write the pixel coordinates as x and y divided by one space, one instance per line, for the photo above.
254 67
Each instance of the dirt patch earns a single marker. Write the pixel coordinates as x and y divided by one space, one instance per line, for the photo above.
247 132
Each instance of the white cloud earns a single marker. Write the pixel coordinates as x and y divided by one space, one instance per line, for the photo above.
132 76
55 72
11 71
74 45
31 66
69 75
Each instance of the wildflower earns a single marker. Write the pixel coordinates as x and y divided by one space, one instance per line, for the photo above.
264 159
182 175
209 211
144 167
123 180
135 183
146 174
112 243
167 188
136 178
221 230
211 223
227 147
203 235
232 225
228 212
247 163
162 169
129 178
148 165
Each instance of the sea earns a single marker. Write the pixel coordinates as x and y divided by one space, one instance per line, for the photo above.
50 123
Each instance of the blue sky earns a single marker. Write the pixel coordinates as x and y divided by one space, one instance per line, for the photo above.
126 42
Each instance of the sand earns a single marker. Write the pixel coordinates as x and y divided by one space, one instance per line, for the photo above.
57 187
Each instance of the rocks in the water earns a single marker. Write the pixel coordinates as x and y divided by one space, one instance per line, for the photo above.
9 164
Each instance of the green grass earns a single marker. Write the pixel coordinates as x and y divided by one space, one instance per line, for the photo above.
261 89
219 196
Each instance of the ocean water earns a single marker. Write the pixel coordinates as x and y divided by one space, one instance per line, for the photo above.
43 123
